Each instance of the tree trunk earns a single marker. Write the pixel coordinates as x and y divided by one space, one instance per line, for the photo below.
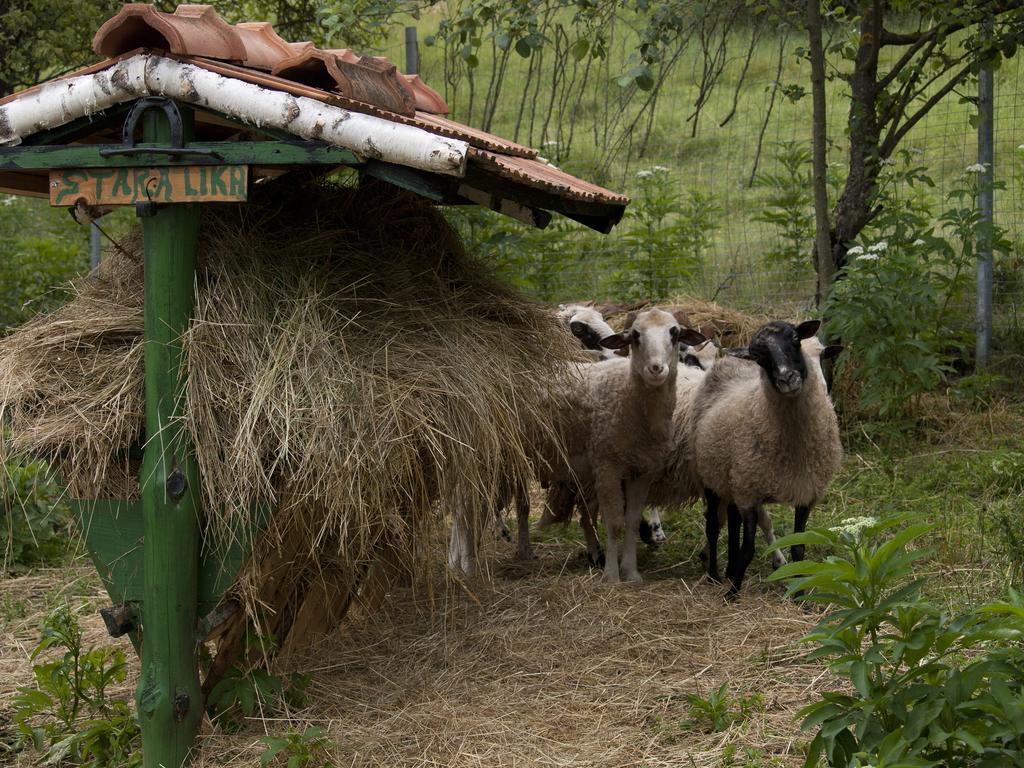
853 209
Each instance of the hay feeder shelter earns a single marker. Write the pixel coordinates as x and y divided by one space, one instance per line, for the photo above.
222 109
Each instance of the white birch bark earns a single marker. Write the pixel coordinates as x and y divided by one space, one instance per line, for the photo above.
61 101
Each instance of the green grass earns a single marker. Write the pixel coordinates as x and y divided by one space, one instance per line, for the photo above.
963 474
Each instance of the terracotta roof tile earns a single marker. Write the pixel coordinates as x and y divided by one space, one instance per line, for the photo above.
540 175
195 30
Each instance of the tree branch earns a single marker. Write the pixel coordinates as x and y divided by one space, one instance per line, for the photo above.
896 135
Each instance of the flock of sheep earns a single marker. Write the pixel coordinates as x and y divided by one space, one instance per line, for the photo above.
660 416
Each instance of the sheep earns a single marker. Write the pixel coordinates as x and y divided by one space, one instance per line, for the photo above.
587 325
630 404
763 434
813 351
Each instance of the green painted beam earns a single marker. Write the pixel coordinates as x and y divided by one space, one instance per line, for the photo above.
114 536
433 186
221 153
168 696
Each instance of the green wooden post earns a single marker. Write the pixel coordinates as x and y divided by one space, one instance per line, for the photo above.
169 701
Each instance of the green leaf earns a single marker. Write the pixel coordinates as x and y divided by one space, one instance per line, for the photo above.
580 49
523 48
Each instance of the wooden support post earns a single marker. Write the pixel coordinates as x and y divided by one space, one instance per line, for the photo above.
170 705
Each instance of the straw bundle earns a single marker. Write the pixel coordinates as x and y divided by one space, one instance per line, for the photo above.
729 327
350 368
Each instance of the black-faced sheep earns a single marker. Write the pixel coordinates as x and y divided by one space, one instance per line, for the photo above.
763 434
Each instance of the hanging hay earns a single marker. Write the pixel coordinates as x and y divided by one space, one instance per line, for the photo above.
350 368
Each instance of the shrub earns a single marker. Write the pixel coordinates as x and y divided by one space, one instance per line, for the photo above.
894 300
928 689
789 207
34 515
68 714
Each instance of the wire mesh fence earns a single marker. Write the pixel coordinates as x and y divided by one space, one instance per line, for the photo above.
705 168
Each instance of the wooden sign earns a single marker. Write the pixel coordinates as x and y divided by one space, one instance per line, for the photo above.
127 186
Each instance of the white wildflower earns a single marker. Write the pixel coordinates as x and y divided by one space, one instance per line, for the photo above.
661 169
878 247
853 527
1020 146
888 161
868 257
919 242
551 143
644 174
975 168
8 200
853 250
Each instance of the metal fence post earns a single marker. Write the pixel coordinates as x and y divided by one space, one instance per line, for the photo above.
412 52
983 317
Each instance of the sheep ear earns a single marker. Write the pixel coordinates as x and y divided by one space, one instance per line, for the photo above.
743 353
579 330
617 340
807 328
630 319
681 317
624 352
691 337
831 351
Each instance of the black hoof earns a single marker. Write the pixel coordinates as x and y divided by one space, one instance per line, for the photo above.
596 563
715 577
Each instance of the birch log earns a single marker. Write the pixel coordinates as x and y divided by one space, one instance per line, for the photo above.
60 101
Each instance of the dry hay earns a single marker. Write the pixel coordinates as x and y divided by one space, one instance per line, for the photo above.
729 327
350 368
552 668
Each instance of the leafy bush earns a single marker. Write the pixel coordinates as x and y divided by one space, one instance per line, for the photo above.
40 252
68 714
789 207
929 689
893 301
34 514
718 710
665 237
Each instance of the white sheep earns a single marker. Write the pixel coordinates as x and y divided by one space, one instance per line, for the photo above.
630 430
761 434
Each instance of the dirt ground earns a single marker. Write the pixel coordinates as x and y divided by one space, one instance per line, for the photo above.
539 664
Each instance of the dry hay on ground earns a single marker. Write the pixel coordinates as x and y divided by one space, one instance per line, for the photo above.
547 666
351 368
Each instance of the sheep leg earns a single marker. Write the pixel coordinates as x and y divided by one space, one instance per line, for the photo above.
524 551
462 546
561 499
503 532
799 526
735 521
595 555
764 522
611 504
636 495
712 524
746 552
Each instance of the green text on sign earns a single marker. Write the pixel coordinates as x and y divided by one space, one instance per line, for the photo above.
127 186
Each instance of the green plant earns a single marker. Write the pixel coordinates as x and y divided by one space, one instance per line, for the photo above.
300 749
718 711
750 757
789 207
243 694
894 304
68 714
928 689
665 238
34 513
